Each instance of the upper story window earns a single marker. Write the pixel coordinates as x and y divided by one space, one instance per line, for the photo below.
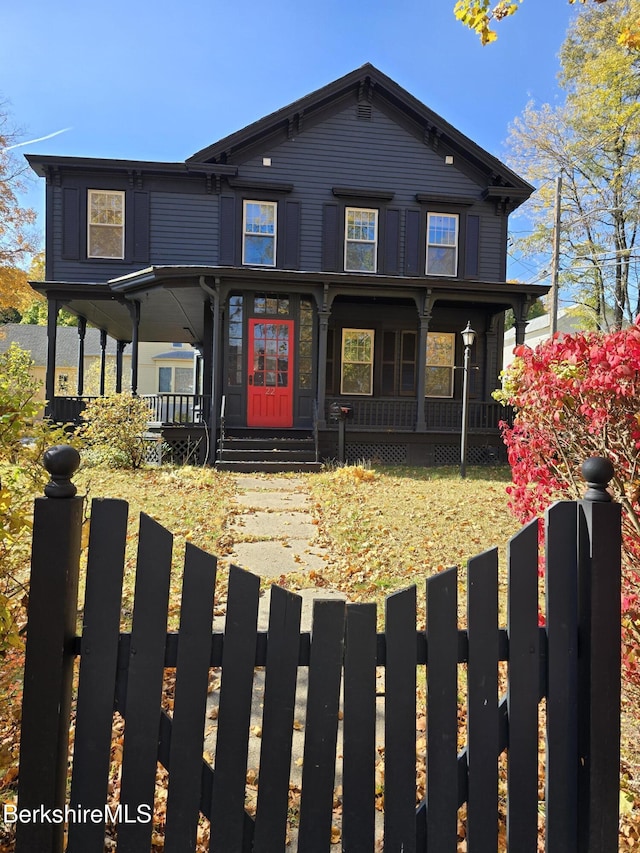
442 244
259 233
360 239
105 228
441 353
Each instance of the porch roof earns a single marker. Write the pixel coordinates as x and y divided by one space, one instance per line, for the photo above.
172 298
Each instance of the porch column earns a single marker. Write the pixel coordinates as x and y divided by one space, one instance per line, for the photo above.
208 353
216 387
520 313
52 331
492 359
323 327
197 374
520 325
134 310
82 331
103 360
120 345
424 302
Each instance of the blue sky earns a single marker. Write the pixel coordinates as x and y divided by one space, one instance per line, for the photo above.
160 80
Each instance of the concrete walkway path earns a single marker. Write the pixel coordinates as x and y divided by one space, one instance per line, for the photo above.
274 534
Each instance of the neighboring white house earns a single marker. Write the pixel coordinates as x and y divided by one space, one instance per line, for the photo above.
162 367
539 330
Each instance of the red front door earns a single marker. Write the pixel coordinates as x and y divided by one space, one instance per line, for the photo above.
270 380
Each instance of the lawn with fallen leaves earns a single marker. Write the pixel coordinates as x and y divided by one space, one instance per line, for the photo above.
385 529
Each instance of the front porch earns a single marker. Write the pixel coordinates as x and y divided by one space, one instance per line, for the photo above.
382 430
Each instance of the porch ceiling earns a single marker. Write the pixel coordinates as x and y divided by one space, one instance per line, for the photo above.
174 313
173 299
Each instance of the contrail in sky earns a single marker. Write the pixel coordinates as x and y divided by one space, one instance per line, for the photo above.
39 139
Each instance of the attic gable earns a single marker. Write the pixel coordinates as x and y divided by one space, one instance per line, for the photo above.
364 87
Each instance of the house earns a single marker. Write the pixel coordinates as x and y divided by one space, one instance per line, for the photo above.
163 367
329 253
539 330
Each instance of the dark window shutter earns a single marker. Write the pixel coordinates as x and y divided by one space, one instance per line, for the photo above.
471 248
291 250
412 264
141 227
227 230
71 223
391 259
330 238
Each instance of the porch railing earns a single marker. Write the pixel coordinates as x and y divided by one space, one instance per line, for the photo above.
178 408
68 410
440 415
163 408
379 413
446 415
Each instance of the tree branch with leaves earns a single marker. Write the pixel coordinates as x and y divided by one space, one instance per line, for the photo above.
481 15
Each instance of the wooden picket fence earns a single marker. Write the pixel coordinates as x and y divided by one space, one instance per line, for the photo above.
573 662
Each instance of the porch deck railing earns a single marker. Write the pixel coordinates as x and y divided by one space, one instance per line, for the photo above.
446 415
163 408
440 415
178 408
385 413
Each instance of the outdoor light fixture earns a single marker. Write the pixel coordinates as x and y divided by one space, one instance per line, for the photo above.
448 159
468 338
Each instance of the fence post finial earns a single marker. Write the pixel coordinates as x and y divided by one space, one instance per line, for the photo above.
598 472
61 461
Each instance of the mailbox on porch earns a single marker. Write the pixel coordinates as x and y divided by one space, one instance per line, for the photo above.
341 412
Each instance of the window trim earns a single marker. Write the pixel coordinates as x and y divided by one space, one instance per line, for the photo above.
121 226
450 367
372 336
455 247
374 242
245 233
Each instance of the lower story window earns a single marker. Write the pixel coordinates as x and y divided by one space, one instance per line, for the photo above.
357 361
440 364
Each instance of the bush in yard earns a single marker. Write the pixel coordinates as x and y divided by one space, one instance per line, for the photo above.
578 396
113 430
23 439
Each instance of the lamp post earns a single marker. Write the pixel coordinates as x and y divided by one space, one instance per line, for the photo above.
468 337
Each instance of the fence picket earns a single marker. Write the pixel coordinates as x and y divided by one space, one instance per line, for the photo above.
96 683
234 713
562 686
442 717
359 748
482 703
277 721
400 723
192 678
144 687
321 729
524 690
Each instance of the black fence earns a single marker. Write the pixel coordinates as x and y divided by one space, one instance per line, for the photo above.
573 662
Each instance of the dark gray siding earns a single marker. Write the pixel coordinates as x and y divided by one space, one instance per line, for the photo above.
184 228
340 150
65 269
343 150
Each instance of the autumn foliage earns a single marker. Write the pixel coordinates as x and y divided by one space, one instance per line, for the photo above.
577 396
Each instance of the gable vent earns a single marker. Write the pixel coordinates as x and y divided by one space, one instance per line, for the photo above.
364 112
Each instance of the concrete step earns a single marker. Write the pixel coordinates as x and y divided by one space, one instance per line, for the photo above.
246 466
269 455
